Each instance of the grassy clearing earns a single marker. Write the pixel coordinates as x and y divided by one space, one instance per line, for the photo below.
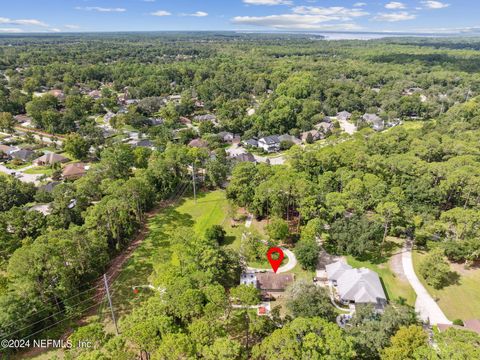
210 209
39 170
458 301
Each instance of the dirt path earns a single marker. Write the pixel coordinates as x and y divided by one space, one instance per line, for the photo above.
114 269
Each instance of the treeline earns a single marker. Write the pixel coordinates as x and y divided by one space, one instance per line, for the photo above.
292 81
421 183
50 262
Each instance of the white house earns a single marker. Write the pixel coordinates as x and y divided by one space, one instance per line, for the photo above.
356 286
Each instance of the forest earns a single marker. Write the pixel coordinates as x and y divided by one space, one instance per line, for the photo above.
417 181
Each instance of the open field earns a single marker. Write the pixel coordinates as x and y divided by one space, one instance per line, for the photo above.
210 209
458 301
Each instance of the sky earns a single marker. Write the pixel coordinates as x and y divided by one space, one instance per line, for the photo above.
416 16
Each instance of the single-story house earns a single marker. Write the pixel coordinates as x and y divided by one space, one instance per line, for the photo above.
269 283
376 121
245 157
226 136
198 143
23 154
316 135
324 127
269 143
343 115
250 142
7 150
74 171
273 284
50 159
207 117
356 286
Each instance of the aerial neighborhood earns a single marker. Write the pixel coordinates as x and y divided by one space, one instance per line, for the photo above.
236 195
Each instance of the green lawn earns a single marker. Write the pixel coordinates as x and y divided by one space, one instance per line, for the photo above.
394 286
39 170
210 209
458 301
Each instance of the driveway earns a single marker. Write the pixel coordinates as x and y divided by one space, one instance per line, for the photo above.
235 150
348 127
425 305
292 262
27 178
292 259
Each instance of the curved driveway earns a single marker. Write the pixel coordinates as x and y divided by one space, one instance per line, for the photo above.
292 262
425 305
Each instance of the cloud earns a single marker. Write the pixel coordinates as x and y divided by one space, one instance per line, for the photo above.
100 9
335 12
55 29
196 14
307 18
359 4
11 30
71 27
28 22
395 5
434 4
395 16
268 2
161 13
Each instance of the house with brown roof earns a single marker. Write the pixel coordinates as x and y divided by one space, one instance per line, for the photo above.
74 171
269 283
50 159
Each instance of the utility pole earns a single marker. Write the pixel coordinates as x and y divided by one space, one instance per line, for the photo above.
110 302
194 185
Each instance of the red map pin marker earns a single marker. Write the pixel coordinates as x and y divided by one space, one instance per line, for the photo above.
275 263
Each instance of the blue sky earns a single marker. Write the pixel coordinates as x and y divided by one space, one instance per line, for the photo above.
304 15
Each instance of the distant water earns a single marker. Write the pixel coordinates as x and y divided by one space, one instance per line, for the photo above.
365 35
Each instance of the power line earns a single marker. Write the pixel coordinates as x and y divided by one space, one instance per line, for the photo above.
45 309
39 321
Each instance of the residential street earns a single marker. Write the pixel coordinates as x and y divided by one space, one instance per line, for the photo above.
28 178
425 305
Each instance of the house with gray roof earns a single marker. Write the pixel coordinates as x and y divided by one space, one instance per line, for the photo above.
343 115
23 154
269 143
250 142
376 121
356 286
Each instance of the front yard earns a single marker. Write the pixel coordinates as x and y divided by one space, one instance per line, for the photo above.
458 301
395 285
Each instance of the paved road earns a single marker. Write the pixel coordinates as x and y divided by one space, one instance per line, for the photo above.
425 305
28 178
